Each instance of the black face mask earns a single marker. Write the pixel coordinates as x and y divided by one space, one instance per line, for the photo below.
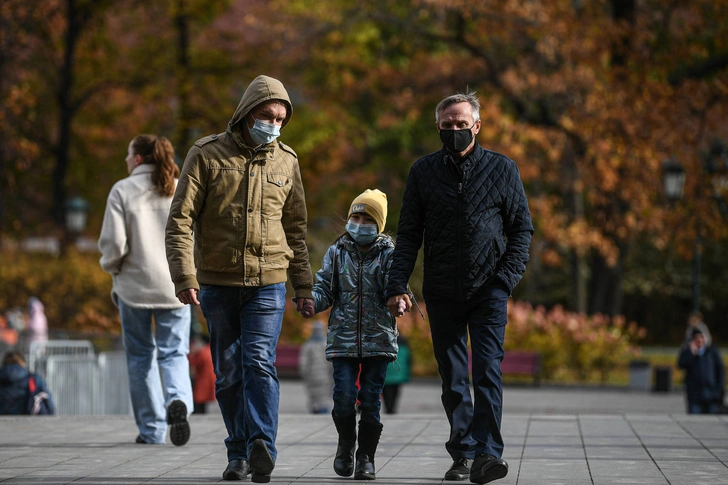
456 141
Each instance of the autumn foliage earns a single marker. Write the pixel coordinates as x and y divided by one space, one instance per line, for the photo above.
588 97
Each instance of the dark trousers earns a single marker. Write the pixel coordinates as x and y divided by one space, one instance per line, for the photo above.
371 381
390 393
474 425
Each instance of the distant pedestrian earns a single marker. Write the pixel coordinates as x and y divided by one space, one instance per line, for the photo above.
22 391
398 372
37 323
704 375
695 320
8 336
362 333
202 373
155 325
316 371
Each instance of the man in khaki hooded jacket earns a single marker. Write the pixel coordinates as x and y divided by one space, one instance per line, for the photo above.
236 231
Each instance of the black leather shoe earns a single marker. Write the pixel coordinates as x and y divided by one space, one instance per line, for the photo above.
364 468
487 468
236 470
459 470
261 462
179 428
344 459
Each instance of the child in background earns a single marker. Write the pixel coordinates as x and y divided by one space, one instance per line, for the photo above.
362 331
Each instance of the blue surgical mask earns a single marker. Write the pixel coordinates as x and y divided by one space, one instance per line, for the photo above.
263 132
362 234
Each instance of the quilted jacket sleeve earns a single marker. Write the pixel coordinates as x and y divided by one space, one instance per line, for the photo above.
409 236
518 228
323 295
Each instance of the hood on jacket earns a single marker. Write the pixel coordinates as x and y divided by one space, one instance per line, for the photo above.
380 243
261 89
13 373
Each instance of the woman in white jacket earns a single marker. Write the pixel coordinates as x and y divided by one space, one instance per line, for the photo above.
155 325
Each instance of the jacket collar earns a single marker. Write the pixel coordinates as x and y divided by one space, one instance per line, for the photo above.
382 241
474 157
142 169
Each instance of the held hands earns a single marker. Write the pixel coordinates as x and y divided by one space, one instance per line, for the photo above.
305 307
188 296
399 304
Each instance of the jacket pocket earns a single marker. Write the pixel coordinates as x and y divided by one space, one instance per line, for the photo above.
276 252
275 193
220 244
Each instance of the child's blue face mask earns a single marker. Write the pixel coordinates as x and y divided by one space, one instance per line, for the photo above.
362 234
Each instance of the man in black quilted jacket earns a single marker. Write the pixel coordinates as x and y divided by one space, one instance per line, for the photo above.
468 205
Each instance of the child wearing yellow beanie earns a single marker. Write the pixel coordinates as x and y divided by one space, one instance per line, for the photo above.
362 333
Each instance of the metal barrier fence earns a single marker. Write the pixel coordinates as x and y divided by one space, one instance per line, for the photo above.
73 382
113 384
40 351
80 382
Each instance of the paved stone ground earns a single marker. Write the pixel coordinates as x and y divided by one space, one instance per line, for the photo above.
553 436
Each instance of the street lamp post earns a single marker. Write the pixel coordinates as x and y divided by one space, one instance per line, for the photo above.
673 177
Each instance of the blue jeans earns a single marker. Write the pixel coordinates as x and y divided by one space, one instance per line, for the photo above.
474 428
244 325
702 408
346 371
150 348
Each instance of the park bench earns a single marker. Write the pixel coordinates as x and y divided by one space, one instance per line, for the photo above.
287 359
520 363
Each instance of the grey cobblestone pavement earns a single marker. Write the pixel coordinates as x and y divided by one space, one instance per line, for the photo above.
553 436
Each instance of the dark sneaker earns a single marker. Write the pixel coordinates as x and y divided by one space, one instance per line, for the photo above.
140 440
236 470
458 471
261 462
487 468
179 428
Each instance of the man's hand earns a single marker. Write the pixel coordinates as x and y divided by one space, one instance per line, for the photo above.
694 347
399 304
188 296
305 307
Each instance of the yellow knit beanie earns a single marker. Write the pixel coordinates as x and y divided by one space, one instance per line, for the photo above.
374 203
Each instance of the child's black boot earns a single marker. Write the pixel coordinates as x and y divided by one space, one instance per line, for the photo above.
369 433
344 460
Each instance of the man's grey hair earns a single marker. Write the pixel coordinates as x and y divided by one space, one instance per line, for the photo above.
468 97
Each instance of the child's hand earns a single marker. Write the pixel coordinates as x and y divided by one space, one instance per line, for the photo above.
401 308
399 305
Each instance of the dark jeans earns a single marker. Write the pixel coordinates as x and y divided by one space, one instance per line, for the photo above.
244 325
390 393
346 371
702 408
474 427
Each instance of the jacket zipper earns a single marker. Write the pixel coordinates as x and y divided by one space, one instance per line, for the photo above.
459 231
359 305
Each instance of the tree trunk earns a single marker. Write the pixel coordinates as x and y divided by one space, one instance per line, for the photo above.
606 293
183 130
65 113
